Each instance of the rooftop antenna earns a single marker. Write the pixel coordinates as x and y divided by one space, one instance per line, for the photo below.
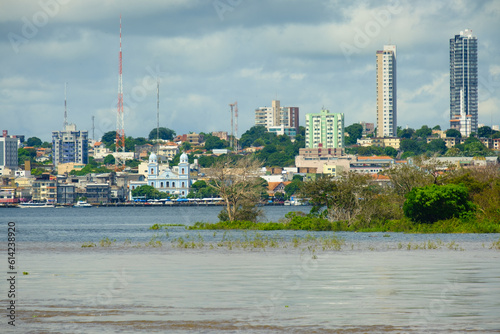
65 108
120 132
157 116
93 128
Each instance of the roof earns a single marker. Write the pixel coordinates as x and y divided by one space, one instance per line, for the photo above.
98 143
375 157
273 185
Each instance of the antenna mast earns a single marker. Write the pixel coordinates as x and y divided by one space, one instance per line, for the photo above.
93 128
120 131
234 123
65 108
157 116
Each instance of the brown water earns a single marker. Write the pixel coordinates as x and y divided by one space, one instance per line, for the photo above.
143 290
376 283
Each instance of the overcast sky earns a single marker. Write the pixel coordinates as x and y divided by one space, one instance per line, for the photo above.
207 54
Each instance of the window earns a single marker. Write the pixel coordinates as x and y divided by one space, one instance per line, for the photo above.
183 185
161 184
168 184
173 184
151 171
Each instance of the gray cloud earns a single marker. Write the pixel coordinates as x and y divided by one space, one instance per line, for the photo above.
294 50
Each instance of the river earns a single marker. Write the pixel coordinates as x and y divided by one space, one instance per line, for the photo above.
137 280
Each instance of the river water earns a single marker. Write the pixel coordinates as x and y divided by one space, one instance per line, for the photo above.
137 280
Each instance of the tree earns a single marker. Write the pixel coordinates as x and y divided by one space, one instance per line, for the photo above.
164 133
437 127
34 141
390 151
148 192
437 146
340 198
406 133
453 133
239 186
432 203
185 146
109 160
213 142
109 138
355 132
424 132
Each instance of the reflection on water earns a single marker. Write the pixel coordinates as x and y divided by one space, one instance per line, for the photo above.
374 284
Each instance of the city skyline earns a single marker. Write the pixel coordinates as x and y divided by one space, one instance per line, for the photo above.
210 54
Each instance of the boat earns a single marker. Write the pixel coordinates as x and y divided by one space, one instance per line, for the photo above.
82 204
35 205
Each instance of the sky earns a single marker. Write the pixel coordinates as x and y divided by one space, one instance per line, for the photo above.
210 53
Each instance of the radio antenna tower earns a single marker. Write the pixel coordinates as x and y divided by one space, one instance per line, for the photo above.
157 116
65 108
93 127
120 131
234 124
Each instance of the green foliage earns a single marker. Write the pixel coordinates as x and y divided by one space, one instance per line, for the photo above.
89 169
109 160
277 151
423 132
109 138
213 142
432 203
390 151
34 141
149 192
24 154
355 132
200 189
453 133
164 133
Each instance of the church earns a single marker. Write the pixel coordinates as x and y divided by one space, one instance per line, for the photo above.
174 181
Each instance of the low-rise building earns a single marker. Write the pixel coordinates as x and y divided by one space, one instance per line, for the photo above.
98 193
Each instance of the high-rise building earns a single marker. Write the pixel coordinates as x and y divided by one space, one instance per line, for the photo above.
387 111
8 151
278 119
325 128
463 83
70 145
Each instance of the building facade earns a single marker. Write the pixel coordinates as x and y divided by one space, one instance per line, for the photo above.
277 116
70 145
166 179
8 151
325 130
463 83
386 92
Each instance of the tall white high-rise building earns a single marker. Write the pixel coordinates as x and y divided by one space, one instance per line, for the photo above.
463 83
387 111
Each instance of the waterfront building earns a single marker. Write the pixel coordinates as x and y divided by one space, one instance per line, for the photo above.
8 152
325 130
386 92
463 83
278 119
45 189
70 145
174 181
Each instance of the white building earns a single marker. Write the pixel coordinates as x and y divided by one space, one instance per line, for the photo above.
277 117
70 145
325 129
175 181
386 92
8 152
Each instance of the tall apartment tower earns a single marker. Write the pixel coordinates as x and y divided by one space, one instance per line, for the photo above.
70 145
387 111
8 151
282 120
463 83
325 128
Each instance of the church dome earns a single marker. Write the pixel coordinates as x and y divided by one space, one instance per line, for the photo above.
153 158
184 158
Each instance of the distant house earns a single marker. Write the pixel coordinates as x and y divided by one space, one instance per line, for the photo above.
276 187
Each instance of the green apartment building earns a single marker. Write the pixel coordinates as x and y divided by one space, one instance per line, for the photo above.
325 128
